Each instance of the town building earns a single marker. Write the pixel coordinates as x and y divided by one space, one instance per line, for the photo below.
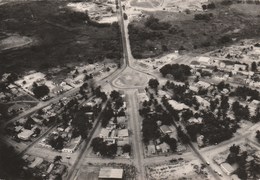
227 168
25 134
177 106
111 173
165 129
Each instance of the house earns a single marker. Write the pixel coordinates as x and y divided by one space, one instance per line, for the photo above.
73 145
240 67
163 93
122 133
36 120
253 107
36 162
200 140
194 88
203 84
104 133
121 120
257 156
60 170
25 134
202 102
110 173
165 129
51 166
177 106
151 149
204 60
195 120
122 141
164 147
227 168
18 128
57 90
194 64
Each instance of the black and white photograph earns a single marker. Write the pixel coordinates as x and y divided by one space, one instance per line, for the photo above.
129 89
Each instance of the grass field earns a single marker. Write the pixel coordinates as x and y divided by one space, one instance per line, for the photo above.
62 37
197 36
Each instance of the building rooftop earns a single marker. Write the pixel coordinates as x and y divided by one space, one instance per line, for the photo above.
123 133
178 106
104 132
110 173
165 129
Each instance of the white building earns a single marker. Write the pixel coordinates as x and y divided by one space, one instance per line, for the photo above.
203 84
25 134
178 106
227 168
240 67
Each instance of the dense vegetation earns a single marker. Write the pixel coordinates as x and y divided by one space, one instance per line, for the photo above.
179 72
10 163
60 36
198 32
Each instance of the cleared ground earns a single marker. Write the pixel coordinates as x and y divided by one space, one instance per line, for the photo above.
183 32
62 36
146 3
131 78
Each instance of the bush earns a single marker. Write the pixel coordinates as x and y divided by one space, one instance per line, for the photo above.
205 17
154 24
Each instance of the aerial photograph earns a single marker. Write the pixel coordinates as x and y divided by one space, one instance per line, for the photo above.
129 89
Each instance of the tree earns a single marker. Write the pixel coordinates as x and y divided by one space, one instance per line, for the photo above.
111 150
126 148
186 115
171 142
222 85
258 135
125 16
234 149
97 144
225 39
253 66
204 7
57 159
211 6
153 83
80 124
179 72
40 91
224 105
114 94
57 143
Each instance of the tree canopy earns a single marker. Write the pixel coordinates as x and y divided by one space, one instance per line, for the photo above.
40 91
180 72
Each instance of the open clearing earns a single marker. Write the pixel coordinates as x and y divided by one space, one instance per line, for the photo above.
191 170
62 35
14 41
131 78
146 3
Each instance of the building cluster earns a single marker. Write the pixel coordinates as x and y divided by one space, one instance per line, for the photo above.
40 168
26 129
231 169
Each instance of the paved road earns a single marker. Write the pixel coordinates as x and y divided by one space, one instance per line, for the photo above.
80 159
135 124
